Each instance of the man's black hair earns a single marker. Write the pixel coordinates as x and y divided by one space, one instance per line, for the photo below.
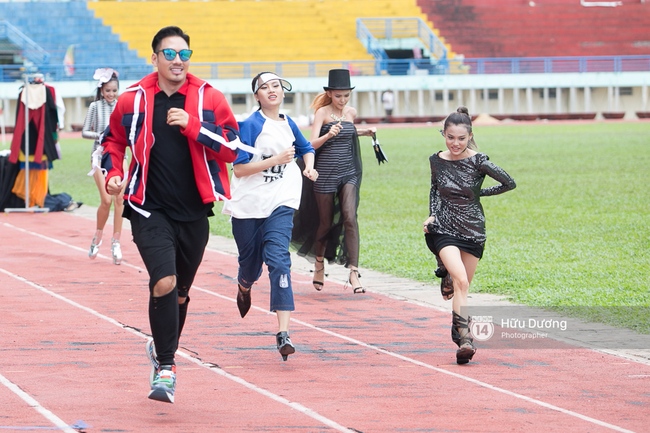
166 32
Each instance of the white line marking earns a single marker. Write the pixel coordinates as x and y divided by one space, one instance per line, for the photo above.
58 422
441 370
334 334
74 247
472 380
297 406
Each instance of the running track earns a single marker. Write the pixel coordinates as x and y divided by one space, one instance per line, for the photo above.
72 334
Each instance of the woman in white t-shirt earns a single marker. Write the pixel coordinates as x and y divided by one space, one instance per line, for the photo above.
266 188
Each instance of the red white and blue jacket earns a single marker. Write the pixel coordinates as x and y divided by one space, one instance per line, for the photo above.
211 132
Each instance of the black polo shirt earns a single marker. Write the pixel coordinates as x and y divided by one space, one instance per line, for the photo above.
171 185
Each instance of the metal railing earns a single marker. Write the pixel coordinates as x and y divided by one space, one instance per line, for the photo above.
371 31
307 69
30 49
372 46
548 65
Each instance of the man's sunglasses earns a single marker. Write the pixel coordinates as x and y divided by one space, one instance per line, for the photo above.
170 54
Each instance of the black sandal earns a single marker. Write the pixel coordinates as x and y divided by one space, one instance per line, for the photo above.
358 289
243 300
318 284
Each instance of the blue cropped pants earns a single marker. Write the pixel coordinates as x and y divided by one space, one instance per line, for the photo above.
266 240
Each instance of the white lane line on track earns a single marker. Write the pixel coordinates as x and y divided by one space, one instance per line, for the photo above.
294 405
65 244
32 402
472 380
441 370
354 341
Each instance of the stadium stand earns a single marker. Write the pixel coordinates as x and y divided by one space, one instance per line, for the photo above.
235 32
542 28
232 39
253 31
55 26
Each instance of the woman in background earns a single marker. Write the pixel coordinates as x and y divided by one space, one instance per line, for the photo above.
455 228
333 232
95 123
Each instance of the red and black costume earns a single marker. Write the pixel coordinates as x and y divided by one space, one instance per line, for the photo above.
174 177
43 126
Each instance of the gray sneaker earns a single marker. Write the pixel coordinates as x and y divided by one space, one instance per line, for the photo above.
164 384
151 354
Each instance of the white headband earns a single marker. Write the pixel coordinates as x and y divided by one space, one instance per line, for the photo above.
270 76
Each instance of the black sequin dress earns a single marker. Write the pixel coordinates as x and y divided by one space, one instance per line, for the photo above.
454 201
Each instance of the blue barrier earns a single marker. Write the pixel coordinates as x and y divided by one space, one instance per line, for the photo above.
536 65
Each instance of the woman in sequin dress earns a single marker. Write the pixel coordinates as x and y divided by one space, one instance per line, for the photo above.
95 123
455 229
326 225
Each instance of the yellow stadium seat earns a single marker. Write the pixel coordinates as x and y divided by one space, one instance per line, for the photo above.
254 31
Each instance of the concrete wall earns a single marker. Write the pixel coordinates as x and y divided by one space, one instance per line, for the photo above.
426 95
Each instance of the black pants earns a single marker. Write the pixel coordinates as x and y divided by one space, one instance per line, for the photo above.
169 248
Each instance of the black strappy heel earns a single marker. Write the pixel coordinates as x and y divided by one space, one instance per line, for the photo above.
318 284
359 288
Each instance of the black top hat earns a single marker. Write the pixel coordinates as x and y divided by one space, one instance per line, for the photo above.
339 79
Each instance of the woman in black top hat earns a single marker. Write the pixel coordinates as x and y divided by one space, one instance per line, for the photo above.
326 224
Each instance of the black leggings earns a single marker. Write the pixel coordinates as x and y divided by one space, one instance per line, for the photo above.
348 199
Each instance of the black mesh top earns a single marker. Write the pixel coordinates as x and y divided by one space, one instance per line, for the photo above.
456 188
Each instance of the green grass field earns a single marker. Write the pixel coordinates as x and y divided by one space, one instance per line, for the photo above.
573 236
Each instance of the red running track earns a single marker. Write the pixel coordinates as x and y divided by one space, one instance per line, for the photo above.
73 333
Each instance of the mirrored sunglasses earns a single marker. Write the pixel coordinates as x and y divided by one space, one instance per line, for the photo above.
170 54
